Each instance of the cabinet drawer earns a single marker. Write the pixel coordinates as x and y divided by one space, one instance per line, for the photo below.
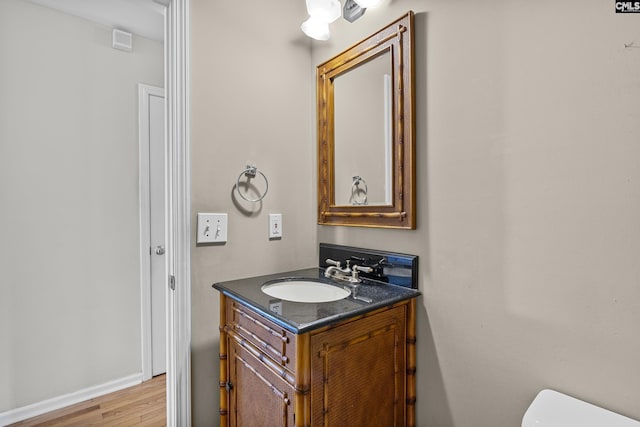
274 341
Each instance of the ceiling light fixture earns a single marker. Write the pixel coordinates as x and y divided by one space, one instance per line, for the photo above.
316 28
324 12
368 3
352 10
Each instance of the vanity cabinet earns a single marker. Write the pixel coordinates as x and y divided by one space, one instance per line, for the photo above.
358 371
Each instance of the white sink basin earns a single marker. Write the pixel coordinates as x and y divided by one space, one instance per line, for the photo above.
304 291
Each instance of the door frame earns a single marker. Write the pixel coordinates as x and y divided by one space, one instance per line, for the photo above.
178 211
144 92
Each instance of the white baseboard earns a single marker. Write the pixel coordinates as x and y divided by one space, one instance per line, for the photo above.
38 408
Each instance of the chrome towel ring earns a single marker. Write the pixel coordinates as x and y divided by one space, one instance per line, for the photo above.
356 190
250 172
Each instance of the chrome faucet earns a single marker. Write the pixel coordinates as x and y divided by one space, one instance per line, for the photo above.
336 271
348 274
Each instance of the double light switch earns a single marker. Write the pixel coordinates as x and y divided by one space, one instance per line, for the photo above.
212 228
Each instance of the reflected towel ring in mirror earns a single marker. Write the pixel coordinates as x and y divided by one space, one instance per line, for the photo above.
250 172
357 190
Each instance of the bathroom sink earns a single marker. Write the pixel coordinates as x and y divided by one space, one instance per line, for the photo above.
304 290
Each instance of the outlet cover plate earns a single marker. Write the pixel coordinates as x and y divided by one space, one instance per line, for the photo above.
275 226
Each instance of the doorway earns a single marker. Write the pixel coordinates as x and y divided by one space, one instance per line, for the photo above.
69 157
83 217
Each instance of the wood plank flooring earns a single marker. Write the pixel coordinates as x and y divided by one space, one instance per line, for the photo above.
141 405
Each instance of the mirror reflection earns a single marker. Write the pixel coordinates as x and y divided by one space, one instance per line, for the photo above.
363 139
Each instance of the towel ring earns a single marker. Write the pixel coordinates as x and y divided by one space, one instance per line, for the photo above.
355 189
250 172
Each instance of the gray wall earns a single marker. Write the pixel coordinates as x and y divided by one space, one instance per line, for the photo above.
528 204
69 228
527 195
251 99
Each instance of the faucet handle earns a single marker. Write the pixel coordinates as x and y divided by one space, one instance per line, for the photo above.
332 262
356 269
363 268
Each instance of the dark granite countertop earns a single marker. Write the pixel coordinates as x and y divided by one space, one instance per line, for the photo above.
300 317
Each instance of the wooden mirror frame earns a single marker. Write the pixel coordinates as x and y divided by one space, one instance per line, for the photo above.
398 39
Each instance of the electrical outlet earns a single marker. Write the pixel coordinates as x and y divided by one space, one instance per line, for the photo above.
275 226
212 228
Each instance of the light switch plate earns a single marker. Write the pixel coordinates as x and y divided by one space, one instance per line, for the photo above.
212 228
275 226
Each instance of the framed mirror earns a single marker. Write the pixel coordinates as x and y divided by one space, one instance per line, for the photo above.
366 131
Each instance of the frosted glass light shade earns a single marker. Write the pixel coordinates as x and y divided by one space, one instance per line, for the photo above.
324 10
368 3
316 28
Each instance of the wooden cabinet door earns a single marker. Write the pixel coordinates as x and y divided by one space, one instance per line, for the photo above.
358 372
257 397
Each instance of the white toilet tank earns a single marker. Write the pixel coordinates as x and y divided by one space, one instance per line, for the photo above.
553 409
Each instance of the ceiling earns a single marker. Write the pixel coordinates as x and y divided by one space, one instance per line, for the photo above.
142 17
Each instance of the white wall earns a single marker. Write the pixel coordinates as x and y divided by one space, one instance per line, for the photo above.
528 204
252 92
69 229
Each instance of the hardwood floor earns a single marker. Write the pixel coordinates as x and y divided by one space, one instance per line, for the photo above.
141 405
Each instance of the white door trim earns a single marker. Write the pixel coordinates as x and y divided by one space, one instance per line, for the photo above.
144 92
178 213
